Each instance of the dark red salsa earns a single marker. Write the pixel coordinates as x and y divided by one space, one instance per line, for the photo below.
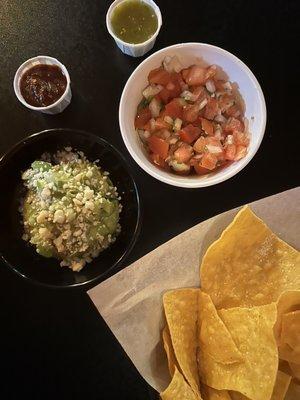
43 85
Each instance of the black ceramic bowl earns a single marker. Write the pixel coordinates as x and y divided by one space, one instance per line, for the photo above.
22 257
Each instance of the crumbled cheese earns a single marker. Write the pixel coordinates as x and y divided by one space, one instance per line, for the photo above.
67 200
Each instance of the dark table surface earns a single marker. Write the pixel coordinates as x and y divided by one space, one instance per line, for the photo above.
53 343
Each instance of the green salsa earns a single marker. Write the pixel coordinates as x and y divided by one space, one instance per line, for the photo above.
134 21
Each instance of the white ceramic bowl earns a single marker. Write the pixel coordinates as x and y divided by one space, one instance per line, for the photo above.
190 53
61 103
139 49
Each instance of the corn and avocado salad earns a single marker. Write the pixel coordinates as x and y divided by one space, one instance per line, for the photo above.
71 209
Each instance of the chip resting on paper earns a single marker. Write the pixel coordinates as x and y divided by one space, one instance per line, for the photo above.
287 327
281 386
248 265
288 301
252 331
214 337
181 310
295 368
179 389
168 346
293 392
290 331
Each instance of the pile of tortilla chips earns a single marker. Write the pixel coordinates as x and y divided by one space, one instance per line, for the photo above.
238 336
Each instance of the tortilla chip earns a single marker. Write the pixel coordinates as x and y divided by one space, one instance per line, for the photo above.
181 309
295 368
214 337
290 332
178 389
172 362
288 354
249 265
289 341
281 386
288 301
293 392
252 331
209 393
237 396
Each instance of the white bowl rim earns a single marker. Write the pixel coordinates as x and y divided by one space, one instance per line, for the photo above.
196 182
17 88
156 9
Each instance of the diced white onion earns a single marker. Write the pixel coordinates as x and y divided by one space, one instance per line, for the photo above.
213 149
151 91
180 167
202 104
168 120
227 86
173 140
177 124
229 139
152 124
220 118
172 64
155 107
198 156
210 86
144 135
189 96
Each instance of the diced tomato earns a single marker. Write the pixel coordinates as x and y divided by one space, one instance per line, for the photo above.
174 109
230 151
200 170
184 153
211 108
199 145
241 151
200 92
164 95
161 124
210 72
162 134
241 138
215 147
214 141
233 124
174 86
159 76
181 82
198 121
233 111
219 84
185 73
158 146
225 101
196 75
208 161
207 126
142 117
189 133
157 160
191 112
147 126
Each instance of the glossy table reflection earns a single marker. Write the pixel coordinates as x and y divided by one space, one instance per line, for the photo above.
54 344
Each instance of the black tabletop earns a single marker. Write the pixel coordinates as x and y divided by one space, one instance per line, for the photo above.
54 344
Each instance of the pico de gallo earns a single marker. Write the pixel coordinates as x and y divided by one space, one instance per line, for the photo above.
189 120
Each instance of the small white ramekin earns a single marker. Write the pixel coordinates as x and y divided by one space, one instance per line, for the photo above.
188 54
61 103
139 49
